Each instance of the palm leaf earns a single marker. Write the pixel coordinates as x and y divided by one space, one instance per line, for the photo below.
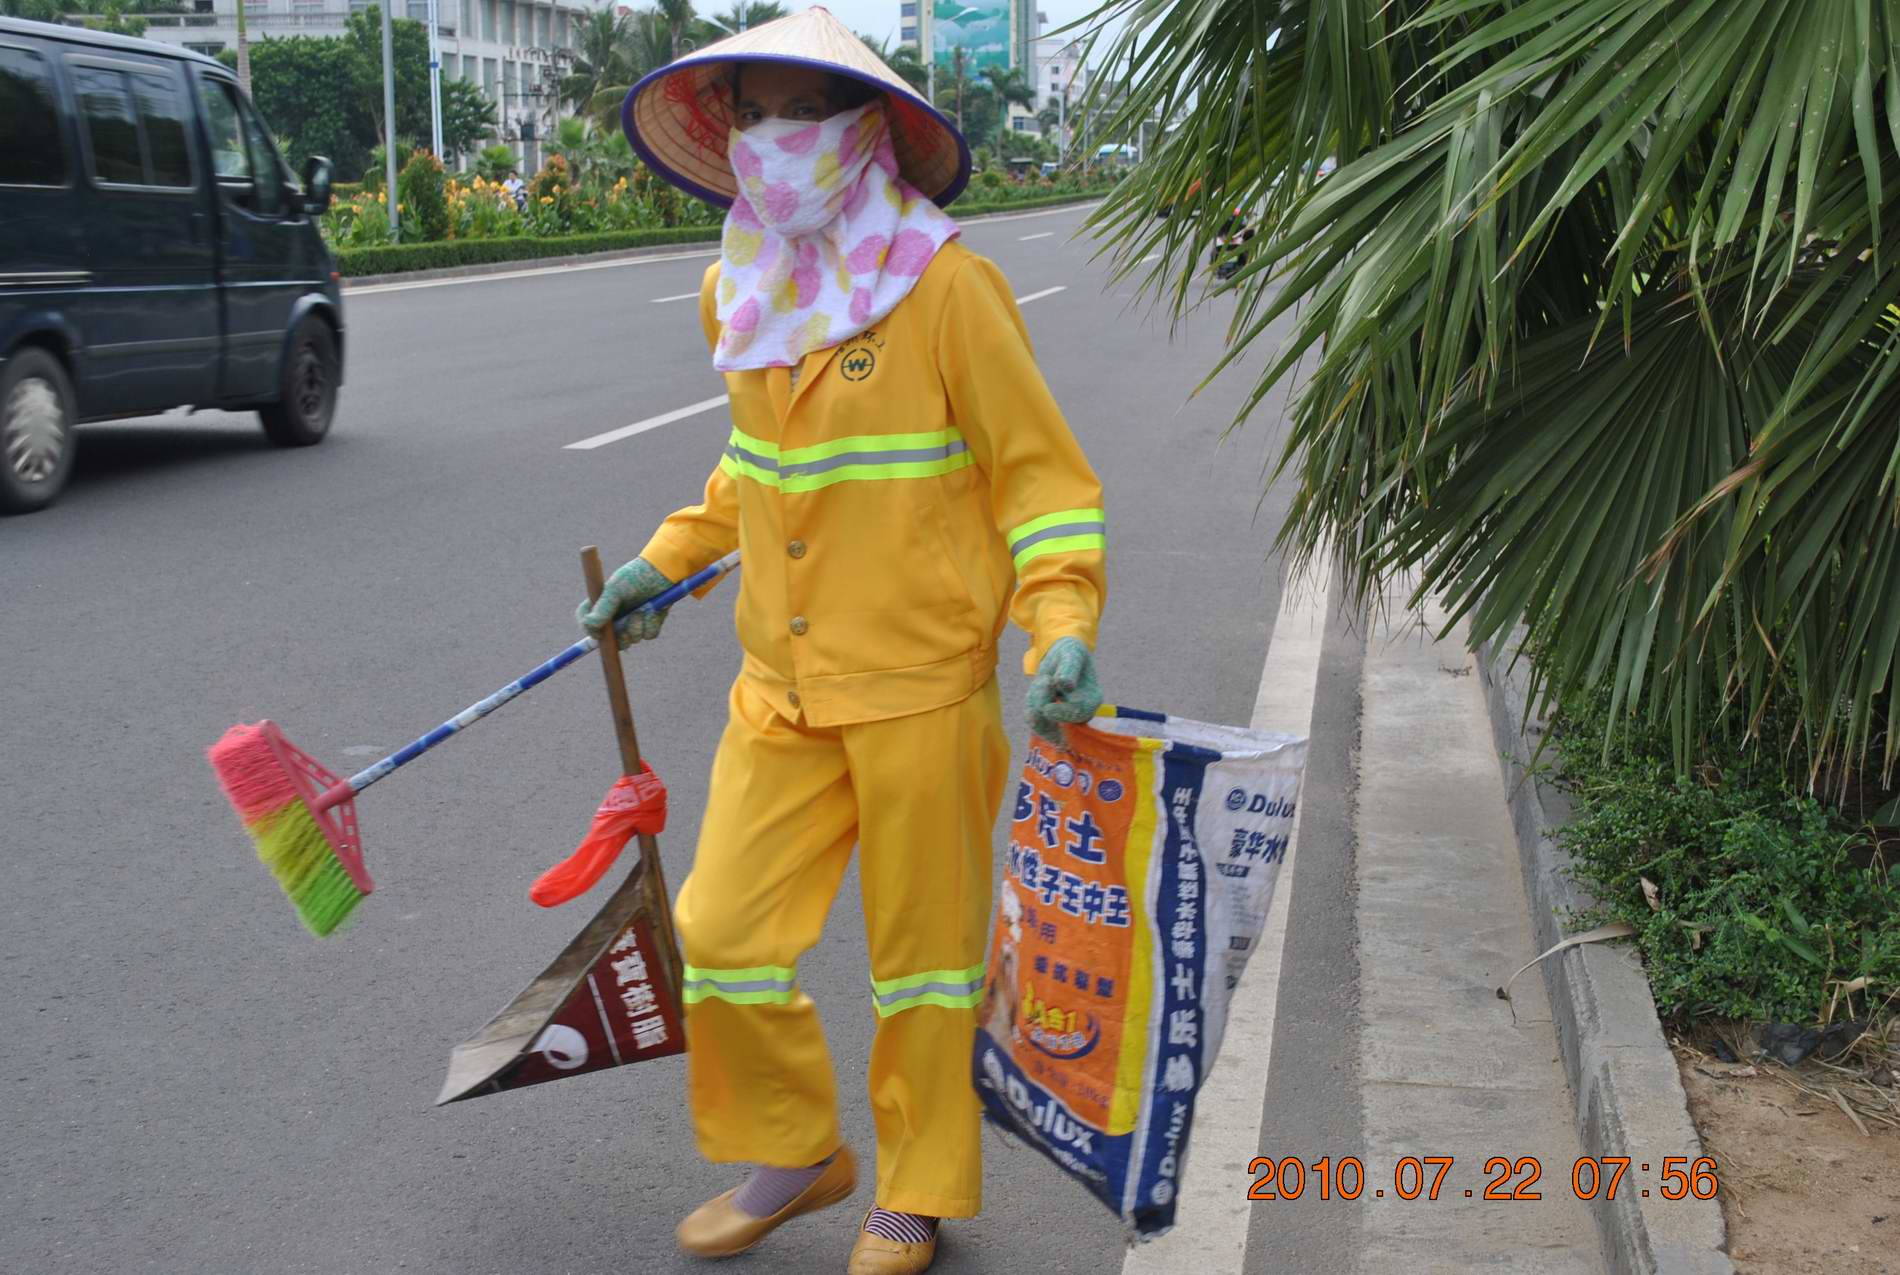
1594 328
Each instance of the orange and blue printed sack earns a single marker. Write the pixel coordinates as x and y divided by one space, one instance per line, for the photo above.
1142 861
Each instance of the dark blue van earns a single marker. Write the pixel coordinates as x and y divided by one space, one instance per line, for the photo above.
155 252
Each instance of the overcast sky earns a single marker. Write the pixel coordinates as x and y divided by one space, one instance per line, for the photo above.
879 18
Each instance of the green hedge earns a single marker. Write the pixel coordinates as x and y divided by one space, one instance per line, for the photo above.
343 191
400 258
356 263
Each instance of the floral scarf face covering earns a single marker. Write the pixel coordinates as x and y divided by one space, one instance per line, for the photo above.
823 241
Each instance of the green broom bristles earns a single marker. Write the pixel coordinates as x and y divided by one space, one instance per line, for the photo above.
289 840
298 854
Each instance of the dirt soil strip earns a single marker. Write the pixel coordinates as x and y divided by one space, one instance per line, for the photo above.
1804 1191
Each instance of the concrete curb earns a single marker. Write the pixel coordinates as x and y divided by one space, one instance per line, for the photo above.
1628 1093
702 248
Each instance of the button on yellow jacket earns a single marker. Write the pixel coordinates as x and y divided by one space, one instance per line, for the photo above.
894 502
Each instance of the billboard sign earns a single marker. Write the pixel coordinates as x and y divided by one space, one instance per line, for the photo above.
981 30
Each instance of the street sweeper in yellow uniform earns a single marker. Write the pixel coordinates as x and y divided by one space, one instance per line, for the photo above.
900 482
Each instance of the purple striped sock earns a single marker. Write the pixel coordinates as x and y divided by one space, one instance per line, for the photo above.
905 1228
768 1190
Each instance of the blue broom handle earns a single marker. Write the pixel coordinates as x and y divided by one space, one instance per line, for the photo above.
541 673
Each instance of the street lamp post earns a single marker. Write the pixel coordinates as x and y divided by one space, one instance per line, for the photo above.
389 118
435 83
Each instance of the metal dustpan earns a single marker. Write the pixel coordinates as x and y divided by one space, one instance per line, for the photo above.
612 996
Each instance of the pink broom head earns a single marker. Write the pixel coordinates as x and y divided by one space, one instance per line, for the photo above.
250 773
301 818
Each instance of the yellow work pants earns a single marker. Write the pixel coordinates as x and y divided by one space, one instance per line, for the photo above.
919 794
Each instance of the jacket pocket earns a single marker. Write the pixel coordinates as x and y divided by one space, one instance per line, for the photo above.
950 570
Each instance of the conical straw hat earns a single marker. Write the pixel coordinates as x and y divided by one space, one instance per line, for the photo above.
679 116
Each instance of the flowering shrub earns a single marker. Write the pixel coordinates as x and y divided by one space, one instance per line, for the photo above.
424 201
362 221
474 207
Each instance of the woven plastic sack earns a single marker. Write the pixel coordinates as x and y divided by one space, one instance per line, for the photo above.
1142 860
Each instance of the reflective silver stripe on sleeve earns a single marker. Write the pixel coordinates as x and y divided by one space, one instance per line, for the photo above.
1057 532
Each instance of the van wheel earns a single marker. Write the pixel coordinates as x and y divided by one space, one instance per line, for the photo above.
306 395
36 431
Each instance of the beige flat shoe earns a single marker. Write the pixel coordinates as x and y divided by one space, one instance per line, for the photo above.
875 1255
718 1228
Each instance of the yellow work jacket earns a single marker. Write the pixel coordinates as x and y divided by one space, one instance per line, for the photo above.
893 502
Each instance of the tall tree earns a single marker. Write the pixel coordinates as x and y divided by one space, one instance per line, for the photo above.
1594 324
677 15
364 38
744 15
908 61
903 59
305 86
1012 88
616 55
324 96
468 117
603 46
39 10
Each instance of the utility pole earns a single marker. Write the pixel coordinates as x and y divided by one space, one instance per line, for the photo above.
389 119
956 64
244 52
435 84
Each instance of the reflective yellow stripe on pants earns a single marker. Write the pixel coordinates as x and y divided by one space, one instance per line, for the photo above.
919 795
952 989
760 985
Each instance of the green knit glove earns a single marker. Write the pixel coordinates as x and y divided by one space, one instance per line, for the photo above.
626 589
1064 689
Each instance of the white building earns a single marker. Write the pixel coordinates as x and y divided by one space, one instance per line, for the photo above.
516 51
1060 78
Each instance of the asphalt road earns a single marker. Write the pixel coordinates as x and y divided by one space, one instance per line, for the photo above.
192 1084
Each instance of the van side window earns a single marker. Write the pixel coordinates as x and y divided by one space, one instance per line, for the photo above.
230 155
105 108
241 150
162 114
33 144
268 172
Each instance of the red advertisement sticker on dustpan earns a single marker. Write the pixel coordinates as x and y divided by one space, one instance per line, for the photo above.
609 999
621 1013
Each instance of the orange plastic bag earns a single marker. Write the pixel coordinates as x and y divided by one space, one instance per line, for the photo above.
635 805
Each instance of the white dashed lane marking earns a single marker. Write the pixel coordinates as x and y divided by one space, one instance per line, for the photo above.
651 422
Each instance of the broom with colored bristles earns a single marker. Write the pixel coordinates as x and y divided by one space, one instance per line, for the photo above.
303 817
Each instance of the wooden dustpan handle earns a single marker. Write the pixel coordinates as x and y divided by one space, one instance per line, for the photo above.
610 663
629 751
